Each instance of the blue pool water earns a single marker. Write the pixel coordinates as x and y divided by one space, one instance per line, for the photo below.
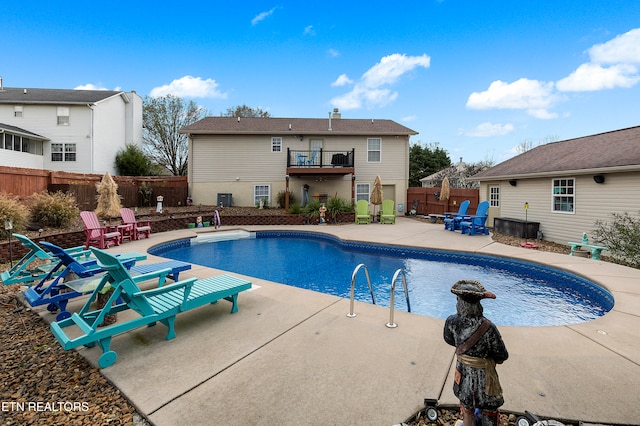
527 294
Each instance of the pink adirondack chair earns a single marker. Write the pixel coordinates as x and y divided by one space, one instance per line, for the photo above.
140 228
97 235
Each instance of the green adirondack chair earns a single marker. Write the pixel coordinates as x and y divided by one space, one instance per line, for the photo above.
388 214
363 215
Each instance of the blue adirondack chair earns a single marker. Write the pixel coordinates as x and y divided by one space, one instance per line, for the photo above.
161 304
20 273
452 220
476 224
52 289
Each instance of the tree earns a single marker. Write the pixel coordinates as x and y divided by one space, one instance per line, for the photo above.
459 174
163 117
426 160
245 111
131 161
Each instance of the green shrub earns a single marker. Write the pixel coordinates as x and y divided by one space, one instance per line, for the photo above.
337 205
295 208
56 210
10 208
131 161
281 199
622 237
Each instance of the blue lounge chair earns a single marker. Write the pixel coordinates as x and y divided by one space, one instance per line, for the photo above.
56 293
476 224
20 274
161 304
452 220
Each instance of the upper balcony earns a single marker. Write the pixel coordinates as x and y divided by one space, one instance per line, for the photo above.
320 162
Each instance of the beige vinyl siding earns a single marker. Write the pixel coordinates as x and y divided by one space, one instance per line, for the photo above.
233 164
620 193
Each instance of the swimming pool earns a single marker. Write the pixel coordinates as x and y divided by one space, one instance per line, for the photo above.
527 294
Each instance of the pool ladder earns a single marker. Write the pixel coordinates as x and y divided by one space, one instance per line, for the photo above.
398 273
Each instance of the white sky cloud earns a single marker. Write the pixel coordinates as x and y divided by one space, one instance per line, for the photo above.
342 80
488 129
625 49
333 53
521 94
308 30
369 89
590 76
409 118
189 87
89 86
542 114
262 16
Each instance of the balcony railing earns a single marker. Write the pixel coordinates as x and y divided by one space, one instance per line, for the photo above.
319 158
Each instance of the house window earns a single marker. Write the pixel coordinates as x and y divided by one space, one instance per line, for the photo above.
63 152
261 193
56 151
374 147
70 152
17 111
564 195
63 116
494 196
362 192
8 141
276 144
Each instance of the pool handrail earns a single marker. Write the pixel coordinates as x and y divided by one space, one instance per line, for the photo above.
392 324
352 314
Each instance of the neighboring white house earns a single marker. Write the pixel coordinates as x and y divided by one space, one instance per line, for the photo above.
76 131
253 159
568 185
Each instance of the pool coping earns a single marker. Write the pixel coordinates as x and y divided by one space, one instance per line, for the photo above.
292 356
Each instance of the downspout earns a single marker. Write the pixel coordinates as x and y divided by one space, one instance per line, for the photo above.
90 106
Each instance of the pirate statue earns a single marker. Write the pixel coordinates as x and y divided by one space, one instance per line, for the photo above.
479 347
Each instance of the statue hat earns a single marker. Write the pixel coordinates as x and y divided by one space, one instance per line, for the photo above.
471 291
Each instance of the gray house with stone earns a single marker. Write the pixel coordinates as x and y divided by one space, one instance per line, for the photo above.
247 161
568 185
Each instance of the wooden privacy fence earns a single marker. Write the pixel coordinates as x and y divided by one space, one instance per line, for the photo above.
25 182
428 200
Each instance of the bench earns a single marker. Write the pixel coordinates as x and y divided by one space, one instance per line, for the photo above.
595 250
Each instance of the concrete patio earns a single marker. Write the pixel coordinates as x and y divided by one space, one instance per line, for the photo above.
291 356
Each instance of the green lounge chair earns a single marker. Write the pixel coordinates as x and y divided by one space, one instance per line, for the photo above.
388 214
161 304
363 215
20 274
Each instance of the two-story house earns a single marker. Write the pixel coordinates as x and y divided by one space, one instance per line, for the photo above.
249 160
67 130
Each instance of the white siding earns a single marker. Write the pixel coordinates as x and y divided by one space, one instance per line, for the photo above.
620 193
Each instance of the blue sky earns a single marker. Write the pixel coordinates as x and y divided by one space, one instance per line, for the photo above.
477 77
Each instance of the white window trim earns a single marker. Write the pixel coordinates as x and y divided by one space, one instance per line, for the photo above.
491 203
276 142
256 197
368 193
560 195
63 116
370 150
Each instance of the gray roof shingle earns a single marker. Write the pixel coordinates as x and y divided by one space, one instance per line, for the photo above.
618 149
11 95
316 126
20 131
